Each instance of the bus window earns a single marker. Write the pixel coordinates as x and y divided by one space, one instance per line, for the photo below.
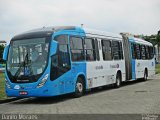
77 50
90 49
106 49
120 50
62 39
97 49
133 46
138 51
116 50
151 53
147 52
61 61
143 54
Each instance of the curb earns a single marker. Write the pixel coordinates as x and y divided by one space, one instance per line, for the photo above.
8 100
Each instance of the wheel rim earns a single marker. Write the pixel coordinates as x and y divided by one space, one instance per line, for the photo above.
79 87
145 76
118 81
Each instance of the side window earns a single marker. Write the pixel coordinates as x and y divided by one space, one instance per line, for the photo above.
116 50
106 49
151 52
120 50
97 49
62 39
90 49
134 54
147 52
77 50
138 51
61 61
143 54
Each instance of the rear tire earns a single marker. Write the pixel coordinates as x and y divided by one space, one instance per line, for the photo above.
118 81
79 88
145 76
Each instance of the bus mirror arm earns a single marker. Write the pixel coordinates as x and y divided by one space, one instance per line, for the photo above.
5 52
53 48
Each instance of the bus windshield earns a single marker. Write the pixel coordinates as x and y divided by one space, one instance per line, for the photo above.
27 59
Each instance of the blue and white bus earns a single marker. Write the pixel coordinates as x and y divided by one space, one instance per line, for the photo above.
58 60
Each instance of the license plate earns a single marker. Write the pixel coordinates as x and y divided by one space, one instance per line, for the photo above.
23 93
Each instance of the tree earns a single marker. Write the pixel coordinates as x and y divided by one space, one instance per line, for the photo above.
1 53
151 38
158 32
158 43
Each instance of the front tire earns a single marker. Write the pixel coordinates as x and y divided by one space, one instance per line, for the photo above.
79 87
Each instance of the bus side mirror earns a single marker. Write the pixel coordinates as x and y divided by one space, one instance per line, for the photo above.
5 52
53 47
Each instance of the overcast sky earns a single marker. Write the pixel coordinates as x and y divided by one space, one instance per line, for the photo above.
134 16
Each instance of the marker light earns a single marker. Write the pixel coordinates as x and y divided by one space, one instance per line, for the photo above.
43 81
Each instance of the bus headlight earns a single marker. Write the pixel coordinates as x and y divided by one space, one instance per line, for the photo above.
43 81
7 84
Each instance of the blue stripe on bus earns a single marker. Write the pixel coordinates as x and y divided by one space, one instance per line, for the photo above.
133 69
131 40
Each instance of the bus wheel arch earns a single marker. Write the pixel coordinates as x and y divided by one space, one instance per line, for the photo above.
80 86
118 79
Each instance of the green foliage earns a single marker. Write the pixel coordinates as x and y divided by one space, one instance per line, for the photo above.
2 88
158 39
1 53
158 69
154 39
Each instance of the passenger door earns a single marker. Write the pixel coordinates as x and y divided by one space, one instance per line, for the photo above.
60 64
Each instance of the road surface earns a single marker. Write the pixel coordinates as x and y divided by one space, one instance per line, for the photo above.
132 98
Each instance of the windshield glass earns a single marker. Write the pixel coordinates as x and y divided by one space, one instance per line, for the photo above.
27 59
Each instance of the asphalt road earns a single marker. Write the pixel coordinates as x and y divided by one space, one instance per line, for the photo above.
132 98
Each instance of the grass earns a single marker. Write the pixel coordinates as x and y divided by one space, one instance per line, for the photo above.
158 69
2 89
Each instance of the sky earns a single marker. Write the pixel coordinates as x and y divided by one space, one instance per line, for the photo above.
133 16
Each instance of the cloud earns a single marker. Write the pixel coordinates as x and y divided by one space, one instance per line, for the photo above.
138 17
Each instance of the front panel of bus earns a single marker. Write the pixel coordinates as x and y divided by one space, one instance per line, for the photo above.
31 69
27 65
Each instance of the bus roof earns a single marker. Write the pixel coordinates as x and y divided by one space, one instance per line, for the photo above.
54 28
102 33
141 41
44 31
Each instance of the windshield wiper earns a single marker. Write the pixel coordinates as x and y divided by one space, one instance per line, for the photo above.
20 66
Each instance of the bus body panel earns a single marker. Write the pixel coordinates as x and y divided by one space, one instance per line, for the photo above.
79 69
104 72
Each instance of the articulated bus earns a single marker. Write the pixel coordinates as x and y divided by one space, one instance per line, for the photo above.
58 60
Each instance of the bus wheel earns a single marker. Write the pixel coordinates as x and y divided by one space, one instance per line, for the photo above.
118 80
79 87
145 75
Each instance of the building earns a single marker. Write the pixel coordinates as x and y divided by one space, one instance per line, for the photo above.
2 42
